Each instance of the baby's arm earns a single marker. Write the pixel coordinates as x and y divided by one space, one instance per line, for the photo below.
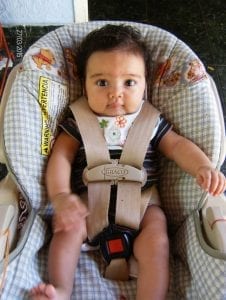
68 207
193 160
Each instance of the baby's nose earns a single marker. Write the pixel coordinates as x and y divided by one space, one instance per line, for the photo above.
116 93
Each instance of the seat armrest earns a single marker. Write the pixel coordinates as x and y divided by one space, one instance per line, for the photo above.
8 214
214 222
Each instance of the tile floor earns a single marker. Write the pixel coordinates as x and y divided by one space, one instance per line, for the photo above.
201 24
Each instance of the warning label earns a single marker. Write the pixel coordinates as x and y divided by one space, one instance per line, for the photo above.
50 92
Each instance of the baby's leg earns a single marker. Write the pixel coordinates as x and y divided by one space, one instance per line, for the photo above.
63 258
151 249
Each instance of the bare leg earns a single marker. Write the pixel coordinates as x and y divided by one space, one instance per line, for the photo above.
63 258
151 249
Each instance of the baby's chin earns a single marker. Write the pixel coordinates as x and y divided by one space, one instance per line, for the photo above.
117 111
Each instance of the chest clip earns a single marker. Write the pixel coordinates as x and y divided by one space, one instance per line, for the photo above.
114 172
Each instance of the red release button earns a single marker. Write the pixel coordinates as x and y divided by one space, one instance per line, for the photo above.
115 246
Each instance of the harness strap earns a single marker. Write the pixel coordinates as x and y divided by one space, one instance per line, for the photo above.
96 154
130 205
140 134
118 269
92 137
98 205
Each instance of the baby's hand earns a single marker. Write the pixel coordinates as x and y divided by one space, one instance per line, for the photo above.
211 180
69 210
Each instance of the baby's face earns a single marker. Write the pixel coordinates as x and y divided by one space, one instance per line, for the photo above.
115 82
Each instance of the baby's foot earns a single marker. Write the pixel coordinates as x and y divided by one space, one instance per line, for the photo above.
44 292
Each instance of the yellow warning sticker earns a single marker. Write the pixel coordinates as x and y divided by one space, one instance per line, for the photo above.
44 93
52 97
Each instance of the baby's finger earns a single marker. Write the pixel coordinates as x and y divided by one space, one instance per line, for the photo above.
204 182
215 182
221 185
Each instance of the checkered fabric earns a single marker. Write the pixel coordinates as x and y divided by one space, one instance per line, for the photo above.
181 90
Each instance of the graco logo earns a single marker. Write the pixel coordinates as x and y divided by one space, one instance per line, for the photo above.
115 172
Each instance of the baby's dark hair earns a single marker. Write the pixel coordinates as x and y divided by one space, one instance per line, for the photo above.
108 38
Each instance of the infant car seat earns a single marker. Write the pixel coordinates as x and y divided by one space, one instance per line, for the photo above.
35 99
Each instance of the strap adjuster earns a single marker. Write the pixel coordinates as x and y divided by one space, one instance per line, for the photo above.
116 242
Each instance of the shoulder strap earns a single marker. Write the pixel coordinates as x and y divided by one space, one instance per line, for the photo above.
139 136
93 140
133 153
96 154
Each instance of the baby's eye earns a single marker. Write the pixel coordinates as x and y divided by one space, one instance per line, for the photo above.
102 82
130 82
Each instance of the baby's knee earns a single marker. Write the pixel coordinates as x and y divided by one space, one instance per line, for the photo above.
154 223
149 246
153 237
157 238
155 229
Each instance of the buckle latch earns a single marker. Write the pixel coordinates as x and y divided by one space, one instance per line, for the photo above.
114 172
116 242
